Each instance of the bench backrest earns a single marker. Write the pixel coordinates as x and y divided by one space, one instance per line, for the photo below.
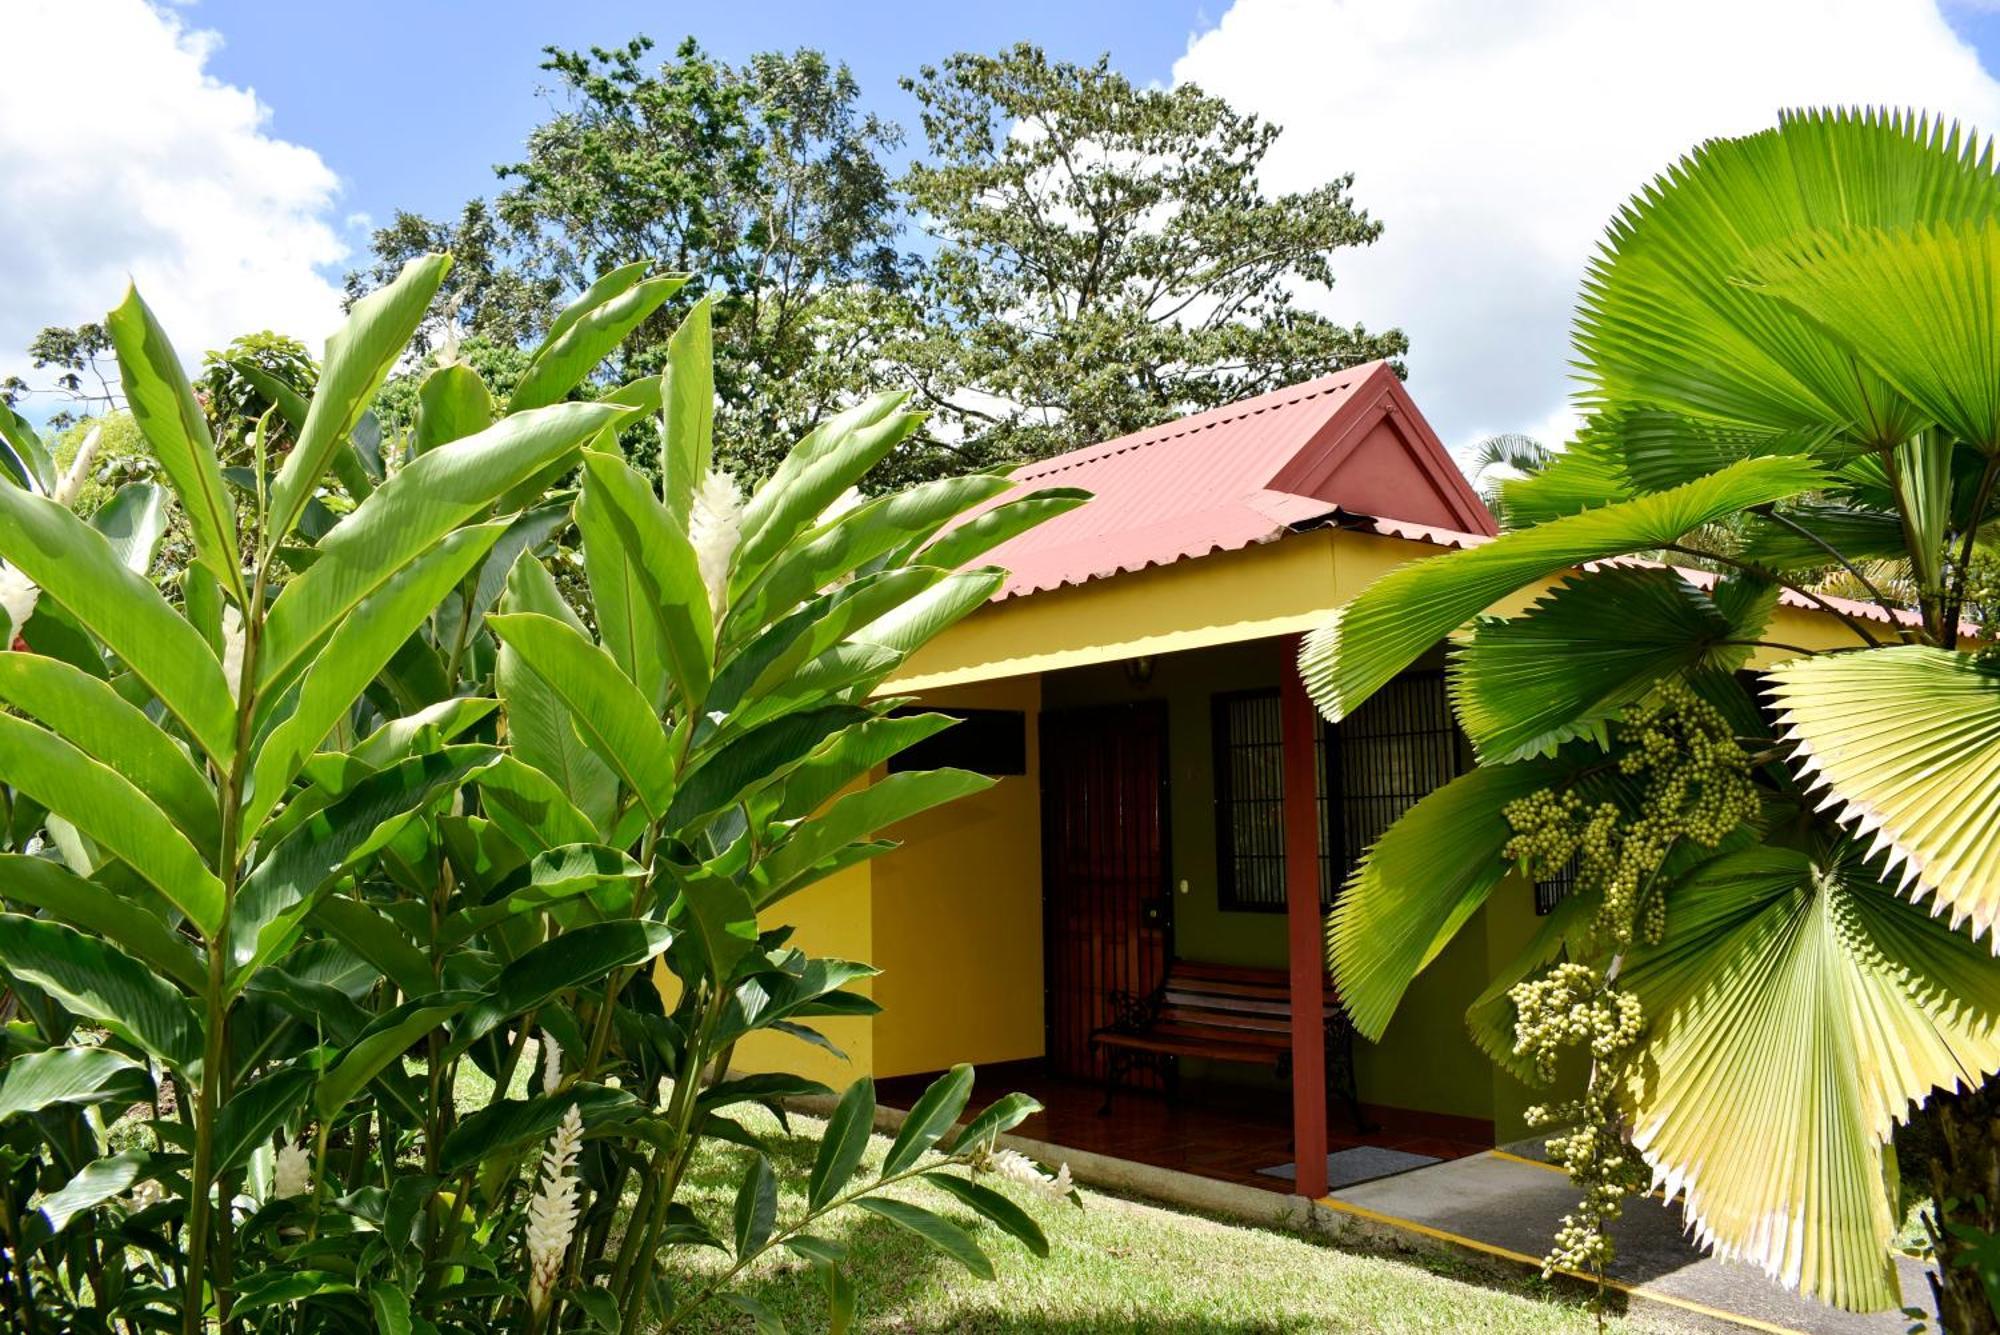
1244 1001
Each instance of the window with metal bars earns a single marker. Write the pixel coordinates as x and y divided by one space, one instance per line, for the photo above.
1373 767
1553 889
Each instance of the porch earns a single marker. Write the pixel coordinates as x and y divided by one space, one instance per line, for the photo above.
1211 1129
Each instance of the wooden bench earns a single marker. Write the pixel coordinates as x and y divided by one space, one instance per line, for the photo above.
1224 1013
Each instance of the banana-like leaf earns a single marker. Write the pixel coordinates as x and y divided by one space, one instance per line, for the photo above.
96 910
832 458
614 718
302 868
1906 741
848 757
531 807
625 622
896 797
359 648
755 757
541 728
1796 1009
659 570
585 333
938 1231
962 543
23 454
919 620
508 1125
860 535
405 516
687 412
255 1113
1404 613
95 1183
574 959
452 403
133 521
1573 661
75 565
1413 890
382 1043
1920 306
74 1077
163 404
88 713
1666 320
105 805
359 357
102 983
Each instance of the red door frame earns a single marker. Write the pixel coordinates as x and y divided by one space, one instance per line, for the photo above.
1305 927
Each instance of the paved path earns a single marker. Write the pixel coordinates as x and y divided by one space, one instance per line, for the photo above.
1503 1202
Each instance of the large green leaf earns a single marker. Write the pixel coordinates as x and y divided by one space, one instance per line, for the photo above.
986 530
1797 1009
541 727
995 1208
95 1183
1907 742
88 713
1574 660
255 1113
98 911
614 718
383 1042
896 797
105 805
827 462
163 403
574 959
288 882
133 522
1666 320
933 1114
921 619
75 565
1418 884
26 456
359 357
1404 613
941 1233
848 757
512 1124
452 403
626 624
687 412
76 1077
587 332
405 516
757 756
102 983
660 568
1919 306
359 648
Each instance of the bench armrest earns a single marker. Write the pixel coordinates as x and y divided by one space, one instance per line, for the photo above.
1130 1013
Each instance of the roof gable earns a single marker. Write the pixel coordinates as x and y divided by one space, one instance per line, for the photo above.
1244 473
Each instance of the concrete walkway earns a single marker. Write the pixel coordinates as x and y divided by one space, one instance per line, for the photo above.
1510 1205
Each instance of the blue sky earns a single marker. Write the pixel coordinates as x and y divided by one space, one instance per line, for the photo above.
223 154
418 121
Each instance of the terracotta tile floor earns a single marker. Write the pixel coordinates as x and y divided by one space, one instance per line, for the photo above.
1213 1130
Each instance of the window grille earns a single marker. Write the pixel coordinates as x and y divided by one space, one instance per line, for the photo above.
1373 767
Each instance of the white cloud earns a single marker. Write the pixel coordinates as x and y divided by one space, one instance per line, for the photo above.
1496 140
120 155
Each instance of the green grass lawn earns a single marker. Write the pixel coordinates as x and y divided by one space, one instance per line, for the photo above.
1116 1265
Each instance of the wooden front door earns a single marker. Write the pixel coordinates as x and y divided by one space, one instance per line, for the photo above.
1106 906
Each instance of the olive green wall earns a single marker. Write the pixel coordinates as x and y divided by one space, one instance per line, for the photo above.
1425 1061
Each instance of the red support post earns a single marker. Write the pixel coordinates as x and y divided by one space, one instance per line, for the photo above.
1299 730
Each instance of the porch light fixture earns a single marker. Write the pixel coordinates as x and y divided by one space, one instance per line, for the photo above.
1139 671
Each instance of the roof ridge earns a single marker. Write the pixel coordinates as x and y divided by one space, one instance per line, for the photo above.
1208 419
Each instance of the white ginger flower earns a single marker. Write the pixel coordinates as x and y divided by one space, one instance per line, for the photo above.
70 485
715 526
552 1211
232 648
551 1064
293 1173
1016 1167
18 596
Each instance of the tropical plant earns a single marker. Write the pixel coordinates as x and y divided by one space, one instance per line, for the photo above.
351 870
1787 342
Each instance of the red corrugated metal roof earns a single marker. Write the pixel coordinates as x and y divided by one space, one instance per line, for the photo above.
1237 475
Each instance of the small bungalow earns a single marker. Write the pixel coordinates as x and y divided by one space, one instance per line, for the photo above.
1137 904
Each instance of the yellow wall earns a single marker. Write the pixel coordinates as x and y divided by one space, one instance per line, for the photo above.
958 917
834 919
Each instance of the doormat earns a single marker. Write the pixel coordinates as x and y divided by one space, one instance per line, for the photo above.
1363 1163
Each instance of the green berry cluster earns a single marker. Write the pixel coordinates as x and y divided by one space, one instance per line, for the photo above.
1692 782
1686 779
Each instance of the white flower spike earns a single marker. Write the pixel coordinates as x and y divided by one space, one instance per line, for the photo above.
552 1211
293 1173
715 526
